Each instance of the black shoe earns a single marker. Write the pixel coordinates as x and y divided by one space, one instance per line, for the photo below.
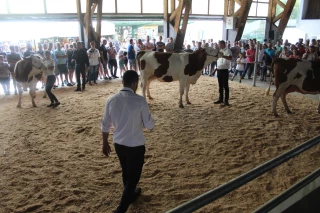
56 104
225 104
51 105
69 85
115 76
218 101
83 89
78 90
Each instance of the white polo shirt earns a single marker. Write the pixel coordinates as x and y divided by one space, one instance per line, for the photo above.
128 113
223 63
95 55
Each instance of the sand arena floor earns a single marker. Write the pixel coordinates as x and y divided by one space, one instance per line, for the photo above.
54 162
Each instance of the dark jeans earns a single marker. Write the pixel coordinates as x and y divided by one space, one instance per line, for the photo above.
131 160
249 66
81 69
223 77
113 64
49 84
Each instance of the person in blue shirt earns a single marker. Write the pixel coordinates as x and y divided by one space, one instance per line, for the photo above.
269 55
132 56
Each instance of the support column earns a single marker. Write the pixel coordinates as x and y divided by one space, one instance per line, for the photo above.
80 21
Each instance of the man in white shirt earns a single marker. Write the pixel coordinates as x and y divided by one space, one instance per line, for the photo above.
128 113
94 60
148 44
223 64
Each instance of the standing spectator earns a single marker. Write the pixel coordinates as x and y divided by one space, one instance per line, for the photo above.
241 61
13 58
131 56
311 54
61 61
104 58
269 55
223 65
71 64
112 61
160 45
148 44
284 53
194 46
80 56
40 50
49 63
188 50
128 113
250 53
154 45
4 75
213 65
117 44
94 58
235 50
141 46
170 45
260 59
28 52
123 61
295 54
279 47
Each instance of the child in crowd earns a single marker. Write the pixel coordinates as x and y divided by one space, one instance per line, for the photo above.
123 62
4 76
241 61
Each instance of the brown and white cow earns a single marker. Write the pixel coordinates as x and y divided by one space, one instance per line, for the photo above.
294 75
27 74
167 67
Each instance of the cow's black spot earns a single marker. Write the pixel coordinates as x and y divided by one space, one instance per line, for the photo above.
143 64
298 76
163 60
196 63
167 78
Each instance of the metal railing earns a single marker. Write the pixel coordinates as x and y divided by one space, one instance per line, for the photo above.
224 189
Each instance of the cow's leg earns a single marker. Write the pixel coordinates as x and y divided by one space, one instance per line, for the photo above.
32 93
319 107
20 95
182 84
284 101
148 90
276 95
14 85
144 82
187 93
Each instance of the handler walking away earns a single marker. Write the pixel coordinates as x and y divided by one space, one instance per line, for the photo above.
128 113
223 65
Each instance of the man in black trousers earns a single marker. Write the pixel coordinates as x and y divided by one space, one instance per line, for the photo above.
223 64
128 113
81 57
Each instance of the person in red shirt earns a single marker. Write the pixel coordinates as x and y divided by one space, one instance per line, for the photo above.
250 53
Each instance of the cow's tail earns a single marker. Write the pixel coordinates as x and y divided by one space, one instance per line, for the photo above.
138 60
268 90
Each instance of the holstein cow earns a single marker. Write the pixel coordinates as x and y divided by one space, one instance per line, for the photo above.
294 75
167 67
27 74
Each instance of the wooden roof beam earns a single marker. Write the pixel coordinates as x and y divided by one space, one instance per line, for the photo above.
286 15
245 8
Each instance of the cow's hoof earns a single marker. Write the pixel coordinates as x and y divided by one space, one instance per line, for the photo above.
289 112
34 105
150 98
181 106
44 97
276 115
188 102
18 106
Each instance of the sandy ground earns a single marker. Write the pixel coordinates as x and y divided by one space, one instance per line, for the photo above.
54 162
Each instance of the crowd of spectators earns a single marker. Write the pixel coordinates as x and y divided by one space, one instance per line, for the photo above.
103 62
